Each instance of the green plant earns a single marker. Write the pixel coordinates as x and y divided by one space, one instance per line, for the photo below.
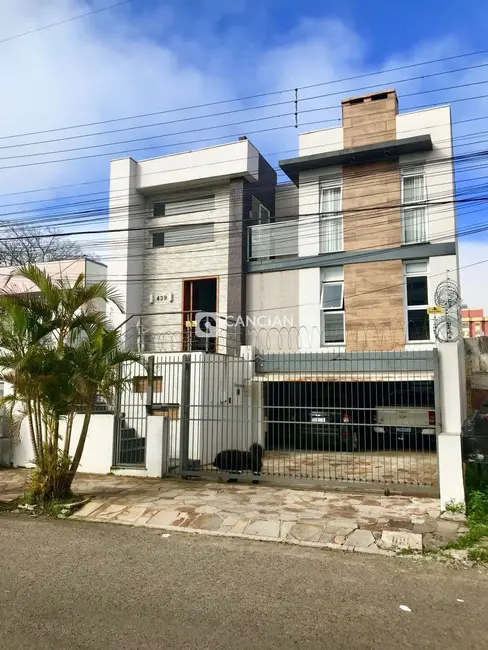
479 555
455 506
477 506
59 353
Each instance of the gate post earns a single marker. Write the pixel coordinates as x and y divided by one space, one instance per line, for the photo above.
185 412
451 479
117 421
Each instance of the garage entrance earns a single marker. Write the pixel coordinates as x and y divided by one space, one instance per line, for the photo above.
351 430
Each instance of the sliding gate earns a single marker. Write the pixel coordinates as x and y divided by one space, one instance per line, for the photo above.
317 417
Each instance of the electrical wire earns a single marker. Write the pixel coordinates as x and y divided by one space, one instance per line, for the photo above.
63 22
255 96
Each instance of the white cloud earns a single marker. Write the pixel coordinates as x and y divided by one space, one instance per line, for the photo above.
116 64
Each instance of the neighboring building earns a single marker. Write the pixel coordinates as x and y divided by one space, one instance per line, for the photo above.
66 269
474 323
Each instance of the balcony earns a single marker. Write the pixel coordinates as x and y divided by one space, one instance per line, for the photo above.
272 240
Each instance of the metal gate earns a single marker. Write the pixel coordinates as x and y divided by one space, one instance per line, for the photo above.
315 417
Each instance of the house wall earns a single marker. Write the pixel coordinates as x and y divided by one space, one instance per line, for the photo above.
374 306
67 269
370 120
439 170
273 310
235 159
166 268
97 454
286 202
126 244
371 200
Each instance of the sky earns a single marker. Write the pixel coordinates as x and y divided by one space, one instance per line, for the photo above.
152 57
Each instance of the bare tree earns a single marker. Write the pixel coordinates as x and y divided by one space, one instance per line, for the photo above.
24 244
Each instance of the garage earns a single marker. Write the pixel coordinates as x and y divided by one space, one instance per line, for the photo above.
346 428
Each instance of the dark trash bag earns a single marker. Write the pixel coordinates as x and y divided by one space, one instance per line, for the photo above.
475 436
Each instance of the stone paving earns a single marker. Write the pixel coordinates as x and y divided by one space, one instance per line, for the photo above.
365 522
404 467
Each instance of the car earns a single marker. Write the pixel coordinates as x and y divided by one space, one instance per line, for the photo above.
408 420
328 429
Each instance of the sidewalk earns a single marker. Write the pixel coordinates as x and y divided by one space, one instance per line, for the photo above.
355 522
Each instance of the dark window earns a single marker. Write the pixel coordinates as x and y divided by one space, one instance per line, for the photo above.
417 291
158 210
158 239
418 325
379 96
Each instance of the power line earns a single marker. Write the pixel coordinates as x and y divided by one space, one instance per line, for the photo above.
249 97
104 180
198 141
139 211
240 110
63 22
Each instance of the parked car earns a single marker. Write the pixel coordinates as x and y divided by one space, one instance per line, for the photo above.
328 428
408 420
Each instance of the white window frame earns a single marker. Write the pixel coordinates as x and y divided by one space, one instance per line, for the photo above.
416 273
326 184
332 276
411 172
327 283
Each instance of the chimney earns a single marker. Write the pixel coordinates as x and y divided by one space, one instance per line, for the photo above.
369 118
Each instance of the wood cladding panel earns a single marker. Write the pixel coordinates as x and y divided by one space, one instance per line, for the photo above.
373 302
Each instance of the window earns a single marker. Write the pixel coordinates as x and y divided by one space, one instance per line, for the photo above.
331 235
158 239
184 206
332 305
259 212
414 212
417 301
184 235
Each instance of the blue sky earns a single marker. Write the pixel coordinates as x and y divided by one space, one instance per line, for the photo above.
153 56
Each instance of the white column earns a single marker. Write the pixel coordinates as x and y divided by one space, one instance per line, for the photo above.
156 446
126 245
451 481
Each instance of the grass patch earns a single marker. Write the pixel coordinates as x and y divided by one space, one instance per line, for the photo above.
475 541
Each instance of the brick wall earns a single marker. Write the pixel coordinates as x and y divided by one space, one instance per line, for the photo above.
373 301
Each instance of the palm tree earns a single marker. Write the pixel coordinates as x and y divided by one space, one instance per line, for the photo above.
58 352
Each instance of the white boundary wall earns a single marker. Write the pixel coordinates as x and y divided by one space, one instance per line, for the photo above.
97 455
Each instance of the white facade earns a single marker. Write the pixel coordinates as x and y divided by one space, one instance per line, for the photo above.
150 277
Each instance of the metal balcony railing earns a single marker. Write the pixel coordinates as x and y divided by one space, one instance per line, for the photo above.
279 239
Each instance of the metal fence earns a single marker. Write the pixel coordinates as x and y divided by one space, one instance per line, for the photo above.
315 417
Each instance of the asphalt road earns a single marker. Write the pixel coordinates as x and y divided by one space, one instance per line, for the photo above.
79 585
